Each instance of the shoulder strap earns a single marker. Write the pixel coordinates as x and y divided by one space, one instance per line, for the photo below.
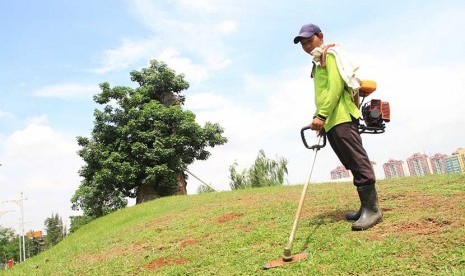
323 57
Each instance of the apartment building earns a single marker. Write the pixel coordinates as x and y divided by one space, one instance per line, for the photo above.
418 164
394 168
438 163
339 173
455 163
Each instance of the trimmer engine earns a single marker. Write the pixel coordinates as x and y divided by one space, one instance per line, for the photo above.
375 114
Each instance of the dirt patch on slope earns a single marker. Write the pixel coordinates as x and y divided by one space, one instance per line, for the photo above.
187 242
114 252
227 217
161 262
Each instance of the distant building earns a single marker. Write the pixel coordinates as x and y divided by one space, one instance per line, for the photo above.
456 162
438 163
34 234
452 164
461 156
394 169
418 165
339 173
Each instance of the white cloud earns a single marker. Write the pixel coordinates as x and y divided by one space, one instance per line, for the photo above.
207 101
38 120
204 6
227 27
184 65
409 39
6 115
35 142
190 42
125 55
67 91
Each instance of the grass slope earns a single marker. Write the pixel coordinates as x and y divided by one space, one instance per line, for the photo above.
235 233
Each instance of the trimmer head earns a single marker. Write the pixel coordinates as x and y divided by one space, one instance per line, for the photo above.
286 260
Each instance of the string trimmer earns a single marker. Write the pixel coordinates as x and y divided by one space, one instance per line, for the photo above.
287 254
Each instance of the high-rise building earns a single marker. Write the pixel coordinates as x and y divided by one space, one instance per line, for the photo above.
418 165
339 173
456 162
394 168
438 163
461 156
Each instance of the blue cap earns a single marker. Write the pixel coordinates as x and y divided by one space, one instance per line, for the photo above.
307 31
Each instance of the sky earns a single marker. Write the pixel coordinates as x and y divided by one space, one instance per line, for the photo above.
244 71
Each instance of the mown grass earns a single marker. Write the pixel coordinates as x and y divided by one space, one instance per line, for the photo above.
235 233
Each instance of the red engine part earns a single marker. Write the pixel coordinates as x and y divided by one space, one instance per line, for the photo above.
383 107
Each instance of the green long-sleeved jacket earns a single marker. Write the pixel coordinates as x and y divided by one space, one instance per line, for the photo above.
333 101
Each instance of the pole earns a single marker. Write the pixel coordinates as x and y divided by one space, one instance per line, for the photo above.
288 249
22 227
200 180
21 236
19 239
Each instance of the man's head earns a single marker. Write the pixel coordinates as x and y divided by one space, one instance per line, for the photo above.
307 31
310 36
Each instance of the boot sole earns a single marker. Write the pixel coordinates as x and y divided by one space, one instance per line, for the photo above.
356 228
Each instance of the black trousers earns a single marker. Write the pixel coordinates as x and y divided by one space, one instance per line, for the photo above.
347 144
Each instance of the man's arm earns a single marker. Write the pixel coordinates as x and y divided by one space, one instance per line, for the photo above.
333 92
334 88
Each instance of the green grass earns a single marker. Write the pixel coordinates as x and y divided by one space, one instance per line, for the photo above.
235 233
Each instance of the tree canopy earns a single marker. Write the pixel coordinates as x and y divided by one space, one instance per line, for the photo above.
8 245
264 172
141 143
55 229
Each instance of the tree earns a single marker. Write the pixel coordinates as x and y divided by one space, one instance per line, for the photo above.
55 230
264 172
141 142
239 180
8 245
78 221
203 189
35 243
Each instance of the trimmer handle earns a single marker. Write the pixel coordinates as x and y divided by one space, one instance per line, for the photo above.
317 146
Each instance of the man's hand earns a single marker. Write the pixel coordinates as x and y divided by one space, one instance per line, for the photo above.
317 124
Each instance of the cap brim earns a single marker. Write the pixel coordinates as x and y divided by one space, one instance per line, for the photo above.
302 35
297 39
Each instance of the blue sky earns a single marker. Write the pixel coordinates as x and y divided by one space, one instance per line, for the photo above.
244 71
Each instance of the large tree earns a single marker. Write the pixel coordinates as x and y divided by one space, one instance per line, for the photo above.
141 143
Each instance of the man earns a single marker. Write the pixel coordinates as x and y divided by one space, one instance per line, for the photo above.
337 115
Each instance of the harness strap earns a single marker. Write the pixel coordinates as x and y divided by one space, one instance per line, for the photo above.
323 57
322 60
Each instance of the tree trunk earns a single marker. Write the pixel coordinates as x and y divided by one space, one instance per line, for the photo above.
146 193
182 184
